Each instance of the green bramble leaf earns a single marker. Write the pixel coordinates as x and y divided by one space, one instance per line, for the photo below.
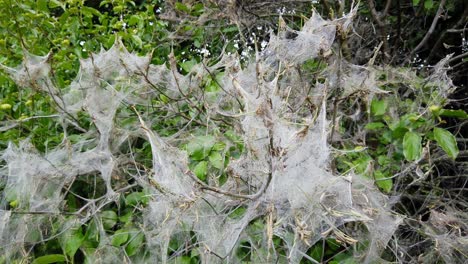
136 197
382 182
120 237
72 240
378 107
446 141
412 146
374 125
200 147
188 65
135 242
181 7
216 160
428 4
109 219
201 169
47 259
453 113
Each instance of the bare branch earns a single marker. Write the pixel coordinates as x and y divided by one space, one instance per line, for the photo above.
431 29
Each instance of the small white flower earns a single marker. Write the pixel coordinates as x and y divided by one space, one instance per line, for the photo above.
205 52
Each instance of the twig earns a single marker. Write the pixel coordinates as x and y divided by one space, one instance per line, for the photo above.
380 23
461 30
446 157
460 22
214 189
457 65
461 56
375 15
241 196
431 29
387 8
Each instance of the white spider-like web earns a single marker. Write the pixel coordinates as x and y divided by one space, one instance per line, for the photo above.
283 176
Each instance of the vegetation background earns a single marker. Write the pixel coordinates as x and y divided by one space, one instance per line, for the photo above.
425 172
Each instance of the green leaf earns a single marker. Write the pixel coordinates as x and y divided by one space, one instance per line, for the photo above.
317 252
343 258
412 146
199 148
109 219
92 232
374 125
446 141
378 107
89 255
416 2
181 7
201 170
56 3
237 213
216 160
72 240
198 9
126 217
120 237
110 41
137 40
453 113
136 197
383 160
188 65
54 258
428 4
399 129
42 6
385 184
229 29
183 260
134 19
360 165
89 11
135 242
333 245
219 146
